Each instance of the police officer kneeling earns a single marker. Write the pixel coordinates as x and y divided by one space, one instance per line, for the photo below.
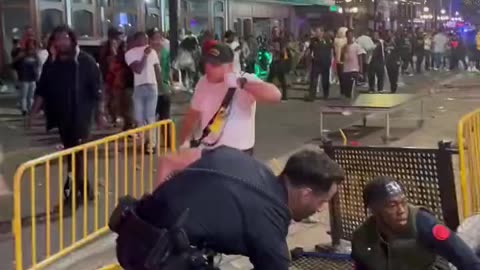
400 236
236 205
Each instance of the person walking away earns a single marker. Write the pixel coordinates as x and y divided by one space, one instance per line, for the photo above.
279 65
427 47
366 43
440 41
232 42
339 43
145 64
70 92
376 68
392 59
419 49
351 57
321 50
28 68
224 104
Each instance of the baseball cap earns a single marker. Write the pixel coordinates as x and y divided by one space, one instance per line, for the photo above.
218 54
114 32
381 189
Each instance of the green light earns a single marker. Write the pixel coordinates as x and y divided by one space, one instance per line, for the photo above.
333 8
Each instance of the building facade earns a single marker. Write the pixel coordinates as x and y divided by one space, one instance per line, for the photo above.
92 18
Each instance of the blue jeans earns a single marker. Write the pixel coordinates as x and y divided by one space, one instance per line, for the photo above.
145 103
27 89
438 60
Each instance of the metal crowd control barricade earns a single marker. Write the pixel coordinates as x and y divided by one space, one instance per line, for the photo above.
426 174
468 136
46 228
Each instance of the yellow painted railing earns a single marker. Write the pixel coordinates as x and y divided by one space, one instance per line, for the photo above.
468 133
47 227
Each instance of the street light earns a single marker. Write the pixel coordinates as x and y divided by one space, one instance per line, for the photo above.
457 13
426 9
443 11
354 10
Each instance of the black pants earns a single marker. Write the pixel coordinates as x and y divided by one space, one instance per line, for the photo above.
393 70
163 113
420 56
349 79
72 136
365 69
407 61
324 72
376 70
278 71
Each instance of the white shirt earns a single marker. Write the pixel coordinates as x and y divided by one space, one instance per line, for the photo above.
235 46
366 43
440 43
239 129
350 62
147 76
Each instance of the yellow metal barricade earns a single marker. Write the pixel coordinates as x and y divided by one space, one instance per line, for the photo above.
469 152
47 227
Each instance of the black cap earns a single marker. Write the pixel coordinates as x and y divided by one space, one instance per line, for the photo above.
218 54
380 189
114 32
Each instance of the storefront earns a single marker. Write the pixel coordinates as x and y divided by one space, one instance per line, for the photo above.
89 18
250 17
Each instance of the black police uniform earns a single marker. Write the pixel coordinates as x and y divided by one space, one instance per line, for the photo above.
416 249
236 206
376 68
321 50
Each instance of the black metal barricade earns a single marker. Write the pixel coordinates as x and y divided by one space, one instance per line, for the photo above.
426 174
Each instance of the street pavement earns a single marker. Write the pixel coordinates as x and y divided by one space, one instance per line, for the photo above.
280 129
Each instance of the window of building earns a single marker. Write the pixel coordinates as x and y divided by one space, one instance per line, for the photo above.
199 7
82 21
218 7
198 24
153 3
126 21
152 21
88 2
50 18
125 4
218 25
14 21
16 1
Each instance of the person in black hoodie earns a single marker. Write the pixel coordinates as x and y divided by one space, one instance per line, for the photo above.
376 68
419 49
392 59
70 90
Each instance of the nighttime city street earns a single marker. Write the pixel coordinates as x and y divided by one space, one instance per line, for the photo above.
334 130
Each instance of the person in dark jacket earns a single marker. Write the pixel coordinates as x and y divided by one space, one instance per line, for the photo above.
401 236
69 89
392 59
320 51
376 68
236 206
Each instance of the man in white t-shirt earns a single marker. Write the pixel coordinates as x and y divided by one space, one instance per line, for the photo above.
352 65
238 128
145 65
439 42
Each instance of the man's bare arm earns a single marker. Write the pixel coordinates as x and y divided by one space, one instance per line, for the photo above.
262 91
